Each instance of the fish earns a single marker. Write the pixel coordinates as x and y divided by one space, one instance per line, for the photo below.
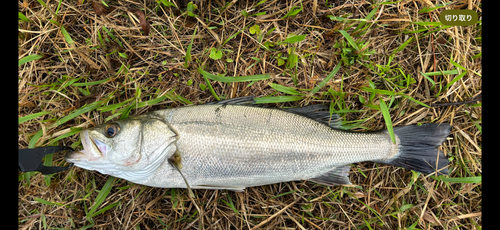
235 144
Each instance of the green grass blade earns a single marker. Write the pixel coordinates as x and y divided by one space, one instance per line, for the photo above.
361 171
68 134
29 58
84 109
230 204
412 227
402 46
42 201
367 224
112 36
429 9
236 34
87 227
283 194
367 18
284 89
188 58
67 37
327 79
294 39
292 12
42 3
387 118
347 111
32 116
105 208
126 111
114 106
390 93
181 99
22 17
48 160
35 138
58 7
234 79
429 79
292 61
458 65
405 207
414 100
370 15
467 180
349 39
151 102
428 23
455 80
211 88
105 190
277 99
378 91
438 73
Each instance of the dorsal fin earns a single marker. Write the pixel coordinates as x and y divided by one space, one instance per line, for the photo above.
317 112
248 100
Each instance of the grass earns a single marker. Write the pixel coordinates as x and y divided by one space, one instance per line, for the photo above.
373 63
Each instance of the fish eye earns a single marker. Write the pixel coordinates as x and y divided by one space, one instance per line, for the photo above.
111 130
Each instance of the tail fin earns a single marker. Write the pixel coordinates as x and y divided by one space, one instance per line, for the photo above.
418 148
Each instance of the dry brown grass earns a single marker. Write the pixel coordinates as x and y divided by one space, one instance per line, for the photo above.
385 197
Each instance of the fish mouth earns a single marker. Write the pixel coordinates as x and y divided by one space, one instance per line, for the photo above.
93 149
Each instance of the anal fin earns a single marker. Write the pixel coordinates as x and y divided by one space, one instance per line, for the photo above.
336 176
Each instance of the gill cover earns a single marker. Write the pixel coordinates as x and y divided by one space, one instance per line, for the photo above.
131 149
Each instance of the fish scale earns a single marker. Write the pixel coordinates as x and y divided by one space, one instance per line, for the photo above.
221 144
234 144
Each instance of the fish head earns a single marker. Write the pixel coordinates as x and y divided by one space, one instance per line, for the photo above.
129 149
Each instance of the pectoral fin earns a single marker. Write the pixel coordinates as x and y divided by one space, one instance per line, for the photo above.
176 160
336 176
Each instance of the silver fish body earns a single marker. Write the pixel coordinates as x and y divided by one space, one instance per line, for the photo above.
227 146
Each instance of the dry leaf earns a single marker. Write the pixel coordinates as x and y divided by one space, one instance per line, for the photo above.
100 9
359 195
429 218
87 59
429 3
142 20
468 215
26 104
313 79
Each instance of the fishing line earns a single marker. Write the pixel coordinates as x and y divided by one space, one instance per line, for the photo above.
175 160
